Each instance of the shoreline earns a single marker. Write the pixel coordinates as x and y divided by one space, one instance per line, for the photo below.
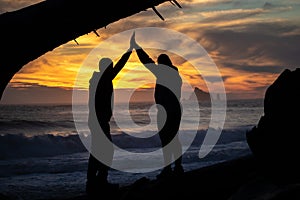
243 178
225 178
237 179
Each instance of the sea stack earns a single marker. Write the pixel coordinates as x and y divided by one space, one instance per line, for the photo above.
275 141
200 95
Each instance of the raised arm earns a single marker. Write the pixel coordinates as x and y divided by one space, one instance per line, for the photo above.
143 56
121 63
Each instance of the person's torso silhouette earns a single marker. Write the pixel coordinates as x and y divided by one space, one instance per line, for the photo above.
167 94
101 98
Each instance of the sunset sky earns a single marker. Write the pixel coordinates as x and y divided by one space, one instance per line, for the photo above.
250 41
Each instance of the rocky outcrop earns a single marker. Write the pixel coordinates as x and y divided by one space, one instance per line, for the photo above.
275 141
200 95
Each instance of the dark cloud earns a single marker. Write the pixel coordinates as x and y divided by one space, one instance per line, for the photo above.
215 79
255 69
229 16
258 44
211 79
250 81
226 77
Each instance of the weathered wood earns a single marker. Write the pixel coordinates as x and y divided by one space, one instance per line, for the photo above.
28 33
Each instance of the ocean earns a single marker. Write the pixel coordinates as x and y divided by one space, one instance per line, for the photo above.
42 156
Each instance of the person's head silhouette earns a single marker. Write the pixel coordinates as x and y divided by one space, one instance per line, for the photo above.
105 64
164 59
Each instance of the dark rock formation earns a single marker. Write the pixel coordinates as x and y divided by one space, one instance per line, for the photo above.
28 33
200 95
275 140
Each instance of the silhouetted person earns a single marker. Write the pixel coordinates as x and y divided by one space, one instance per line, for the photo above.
167 94
101 100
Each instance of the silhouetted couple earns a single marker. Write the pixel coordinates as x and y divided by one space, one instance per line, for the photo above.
167 95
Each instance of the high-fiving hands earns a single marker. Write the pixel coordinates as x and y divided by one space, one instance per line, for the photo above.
133 44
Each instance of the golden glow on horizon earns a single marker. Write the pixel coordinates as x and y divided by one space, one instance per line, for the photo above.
59 69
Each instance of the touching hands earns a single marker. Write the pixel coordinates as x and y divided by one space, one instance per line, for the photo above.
133 44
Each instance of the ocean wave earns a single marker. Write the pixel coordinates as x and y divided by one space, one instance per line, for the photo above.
34 127
34 124
20 146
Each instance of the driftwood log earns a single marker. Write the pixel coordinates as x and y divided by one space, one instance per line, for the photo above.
28 33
